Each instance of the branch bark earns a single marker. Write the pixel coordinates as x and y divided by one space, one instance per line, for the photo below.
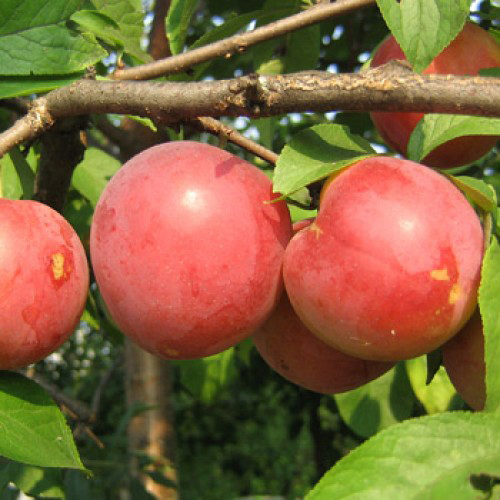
224 132
239 43
392 87
63 147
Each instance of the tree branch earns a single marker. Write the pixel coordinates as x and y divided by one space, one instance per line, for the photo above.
387 88
80 410
223 131
63 147
239 43
16 104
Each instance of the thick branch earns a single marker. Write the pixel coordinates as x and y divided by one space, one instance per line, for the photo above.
380 89
63 147
239 43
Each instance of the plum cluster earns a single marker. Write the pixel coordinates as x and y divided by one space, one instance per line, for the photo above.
193 253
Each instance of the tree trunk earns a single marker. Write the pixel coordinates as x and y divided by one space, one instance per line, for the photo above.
151 432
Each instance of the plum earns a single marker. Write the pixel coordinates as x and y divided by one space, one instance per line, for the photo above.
187 250
472 50
44 282
390 268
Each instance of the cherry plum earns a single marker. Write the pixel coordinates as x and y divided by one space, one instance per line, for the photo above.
44 282
472 50
390 268
291 350
186 249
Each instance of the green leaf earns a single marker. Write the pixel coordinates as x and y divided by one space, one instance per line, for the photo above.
18 178
36 481
78 211
493 179
11 86
493 31
32 428
77 486
378 404
266 128
434 361
178 20
36 40
129 16
106 29
315 153
302 49
479 191
421 458
489 306
232 26
435 396
18 174
228 28
206 377
147 122
492 72
11 185
5 489
93 173
423 28
434 130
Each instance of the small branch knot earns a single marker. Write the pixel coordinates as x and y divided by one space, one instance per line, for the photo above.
39 116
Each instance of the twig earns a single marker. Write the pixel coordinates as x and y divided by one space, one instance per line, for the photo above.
79 411
239 43
82 426
218 128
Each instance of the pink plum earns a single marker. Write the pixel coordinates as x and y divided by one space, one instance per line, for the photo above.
472 50
390 268
44 282
291 350
187 250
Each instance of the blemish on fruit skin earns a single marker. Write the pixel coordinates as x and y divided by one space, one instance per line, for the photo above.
171 353
455 294
60 268
440 274
393 332
58 265
316 229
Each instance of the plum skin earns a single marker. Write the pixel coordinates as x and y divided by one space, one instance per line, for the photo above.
186 250
463 359
291 350
44 282
391 266
472 50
